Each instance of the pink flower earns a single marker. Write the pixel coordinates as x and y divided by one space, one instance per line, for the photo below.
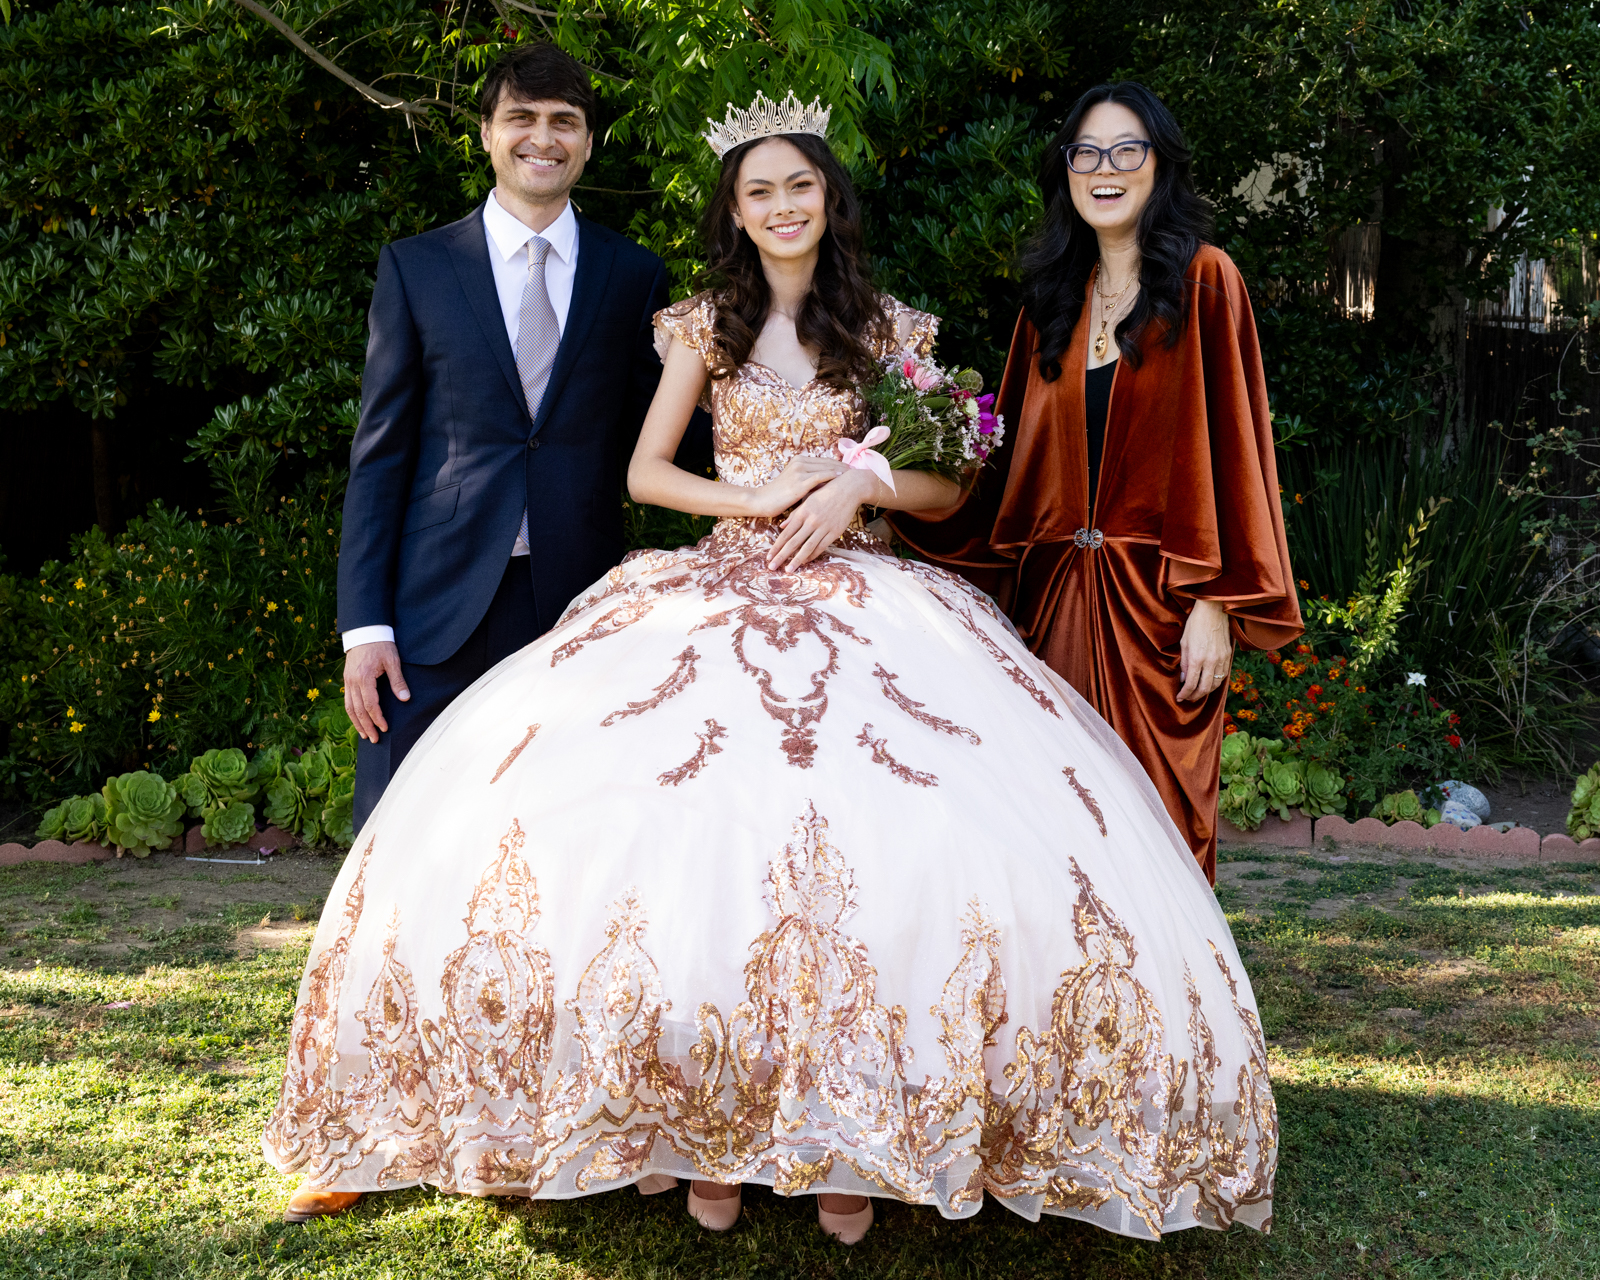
922 379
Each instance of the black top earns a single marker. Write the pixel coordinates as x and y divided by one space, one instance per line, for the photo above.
1096 405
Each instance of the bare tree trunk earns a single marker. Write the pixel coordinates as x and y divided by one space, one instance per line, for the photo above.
105 477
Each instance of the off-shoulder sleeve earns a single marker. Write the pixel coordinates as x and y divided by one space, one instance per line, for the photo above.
692 322
914 331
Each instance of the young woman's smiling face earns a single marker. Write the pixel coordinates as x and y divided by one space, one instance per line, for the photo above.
1111 199
780 201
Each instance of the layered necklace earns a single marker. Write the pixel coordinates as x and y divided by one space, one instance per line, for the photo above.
1108 307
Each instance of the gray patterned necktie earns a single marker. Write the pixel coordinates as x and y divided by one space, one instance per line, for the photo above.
538 336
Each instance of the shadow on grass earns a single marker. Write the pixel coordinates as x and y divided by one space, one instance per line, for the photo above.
1373 1181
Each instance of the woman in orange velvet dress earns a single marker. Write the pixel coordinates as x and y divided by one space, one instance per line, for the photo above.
1131 525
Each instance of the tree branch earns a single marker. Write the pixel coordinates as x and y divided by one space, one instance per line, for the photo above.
385 100
1486 246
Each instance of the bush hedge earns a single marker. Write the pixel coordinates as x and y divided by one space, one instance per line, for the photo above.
185 200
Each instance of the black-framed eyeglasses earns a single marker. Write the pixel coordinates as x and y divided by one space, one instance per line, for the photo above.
1125 157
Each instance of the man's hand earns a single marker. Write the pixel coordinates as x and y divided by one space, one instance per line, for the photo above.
362 667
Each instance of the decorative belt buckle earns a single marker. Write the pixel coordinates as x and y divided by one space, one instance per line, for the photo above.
1091 538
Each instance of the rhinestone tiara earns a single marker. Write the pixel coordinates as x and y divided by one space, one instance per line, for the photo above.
765 118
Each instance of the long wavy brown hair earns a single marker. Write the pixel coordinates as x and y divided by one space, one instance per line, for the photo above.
842 315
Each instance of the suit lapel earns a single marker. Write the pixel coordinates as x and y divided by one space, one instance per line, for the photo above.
595 256
469 254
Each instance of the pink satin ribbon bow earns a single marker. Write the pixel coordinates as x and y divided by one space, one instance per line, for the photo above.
864 457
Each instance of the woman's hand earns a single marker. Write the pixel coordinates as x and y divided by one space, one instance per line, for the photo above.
815 525
1206 653
799 478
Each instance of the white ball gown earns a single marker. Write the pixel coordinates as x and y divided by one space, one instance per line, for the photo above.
813 879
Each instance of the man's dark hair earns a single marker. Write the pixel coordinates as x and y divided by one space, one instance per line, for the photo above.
539 72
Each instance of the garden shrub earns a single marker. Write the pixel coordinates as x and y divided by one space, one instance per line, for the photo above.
186 200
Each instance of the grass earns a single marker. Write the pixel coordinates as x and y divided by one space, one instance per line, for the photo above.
1434 1051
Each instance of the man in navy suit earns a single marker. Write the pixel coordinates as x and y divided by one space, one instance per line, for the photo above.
509 366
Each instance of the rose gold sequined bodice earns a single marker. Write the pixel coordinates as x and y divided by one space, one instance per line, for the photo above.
760 420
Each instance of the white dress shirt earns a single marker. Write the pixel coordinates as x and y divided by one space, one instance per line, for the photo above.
508 256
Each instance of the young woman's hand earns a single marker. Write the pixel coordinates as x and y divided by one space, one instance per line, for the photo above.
1206 652
798 479
816 524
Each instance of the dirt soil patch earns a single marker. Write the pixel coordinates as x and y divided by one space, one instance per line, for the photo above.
164 907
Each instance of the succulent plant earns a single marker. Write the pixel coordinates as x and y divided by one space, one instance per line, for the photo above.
226 774
191 790
286 802
143 812
75 819
1584 819
231 823
1404 806
339 813
1324 792
1284 782
1242 804
268 764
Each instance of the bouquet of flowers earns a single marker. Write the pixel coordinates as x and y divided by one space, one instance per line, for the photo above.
926 418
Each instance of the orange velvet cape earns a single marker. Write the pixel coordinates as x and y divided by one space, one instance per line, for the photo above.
1188 508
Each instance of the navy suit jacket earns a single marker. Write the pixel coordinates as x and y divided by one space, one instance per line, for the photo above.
446 455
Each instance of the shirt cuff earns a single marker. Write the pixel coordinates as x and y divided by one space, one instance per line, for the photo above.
366 635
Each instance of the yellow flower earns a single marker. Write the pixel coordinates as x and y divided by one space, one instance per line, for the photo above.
78 726
272 606
313 694
153 716
79 584
70 713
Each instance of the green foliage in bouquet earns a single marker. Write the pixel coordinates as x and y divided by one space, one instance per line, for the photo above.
75 819
1404 806
1584 820
143 812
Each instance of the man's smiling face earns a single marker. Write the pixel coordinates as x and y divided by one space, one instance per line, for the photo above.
538 148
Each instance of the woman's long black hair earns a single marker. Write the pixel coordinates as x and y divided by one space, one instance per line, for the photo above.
841 317
1174 224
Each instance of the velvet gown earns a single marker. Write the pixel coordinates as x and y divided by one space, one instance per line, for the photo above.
1100 586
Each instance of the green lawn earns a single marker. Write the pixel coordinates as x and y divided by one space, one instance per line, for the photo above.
1434 1039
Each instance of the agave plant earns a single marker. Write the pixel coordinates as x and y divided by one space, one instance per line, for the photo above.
1584 820
143 812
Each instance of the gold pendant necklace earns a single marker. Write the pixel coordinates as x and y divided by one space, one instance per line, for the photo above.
1107 306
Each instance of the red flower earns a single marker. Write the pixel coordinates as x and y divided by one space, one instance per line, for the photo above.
1454 718
1315 691
1302 648
1274 657
1454 740
1229 728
